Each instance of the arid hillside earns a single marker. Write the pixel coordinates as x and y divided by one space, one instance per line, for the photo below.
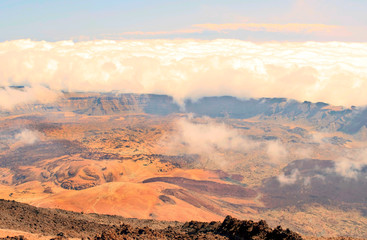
143 156
64 224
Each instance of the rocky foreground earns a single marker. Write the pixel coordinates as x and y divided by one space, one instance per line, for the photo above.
230 228
64 225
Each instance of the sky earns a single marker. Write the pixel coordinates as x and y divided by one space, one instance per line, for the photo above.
308 50
264 20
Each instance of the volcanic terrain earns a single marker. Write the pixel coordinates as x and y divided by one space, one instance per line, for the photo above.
296 164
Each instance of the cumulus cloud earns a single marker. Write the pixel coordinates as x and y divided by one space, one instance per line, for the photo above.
11 98
332 72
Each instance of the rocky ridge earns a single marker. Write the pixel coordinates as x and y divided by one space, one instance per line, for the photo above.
345 119
64 224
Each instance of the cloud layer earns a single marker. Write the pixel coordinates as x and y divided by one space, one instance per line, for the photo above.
332 72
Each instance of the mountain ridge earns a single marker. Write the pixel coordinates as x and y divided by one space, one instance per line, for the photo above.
326 117
64 224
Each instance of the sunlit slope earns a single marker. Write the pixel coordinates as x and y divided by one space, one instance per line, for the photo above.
271 158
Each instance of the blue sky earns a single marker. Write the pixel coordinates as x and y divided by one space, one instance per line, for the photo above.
139 19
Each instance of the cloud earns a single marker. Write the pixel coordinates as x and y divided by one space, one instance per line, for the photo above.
332 72
288 179
213 141
302 153
11 98
276 152
218 143
351 166
27 137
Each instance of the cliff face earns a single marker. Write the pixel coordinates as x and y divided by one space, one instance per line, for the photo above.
322 115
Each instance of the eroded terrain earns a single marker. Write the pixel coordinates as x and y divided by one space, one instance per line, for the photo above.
135 161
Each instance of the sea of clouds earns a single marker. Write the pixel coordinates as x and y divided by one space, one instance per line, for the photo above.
332 72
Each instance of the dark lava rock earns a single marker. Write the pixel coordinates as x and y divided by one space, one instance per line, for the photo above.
230 228
237 229
20 237
64 224
167 199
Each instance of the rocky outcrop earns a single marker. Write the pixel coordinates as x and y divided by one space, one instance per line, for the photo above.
237 229
230 228
65 224
14 238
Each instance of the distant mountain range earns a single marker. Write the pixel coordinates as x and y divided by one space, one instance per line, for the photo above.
322 115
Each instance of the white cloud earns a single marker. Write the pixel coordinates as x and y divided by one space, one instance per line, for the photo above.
351 166
213 141
10 97
333 72
218 143
288 179
27 137
276 151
